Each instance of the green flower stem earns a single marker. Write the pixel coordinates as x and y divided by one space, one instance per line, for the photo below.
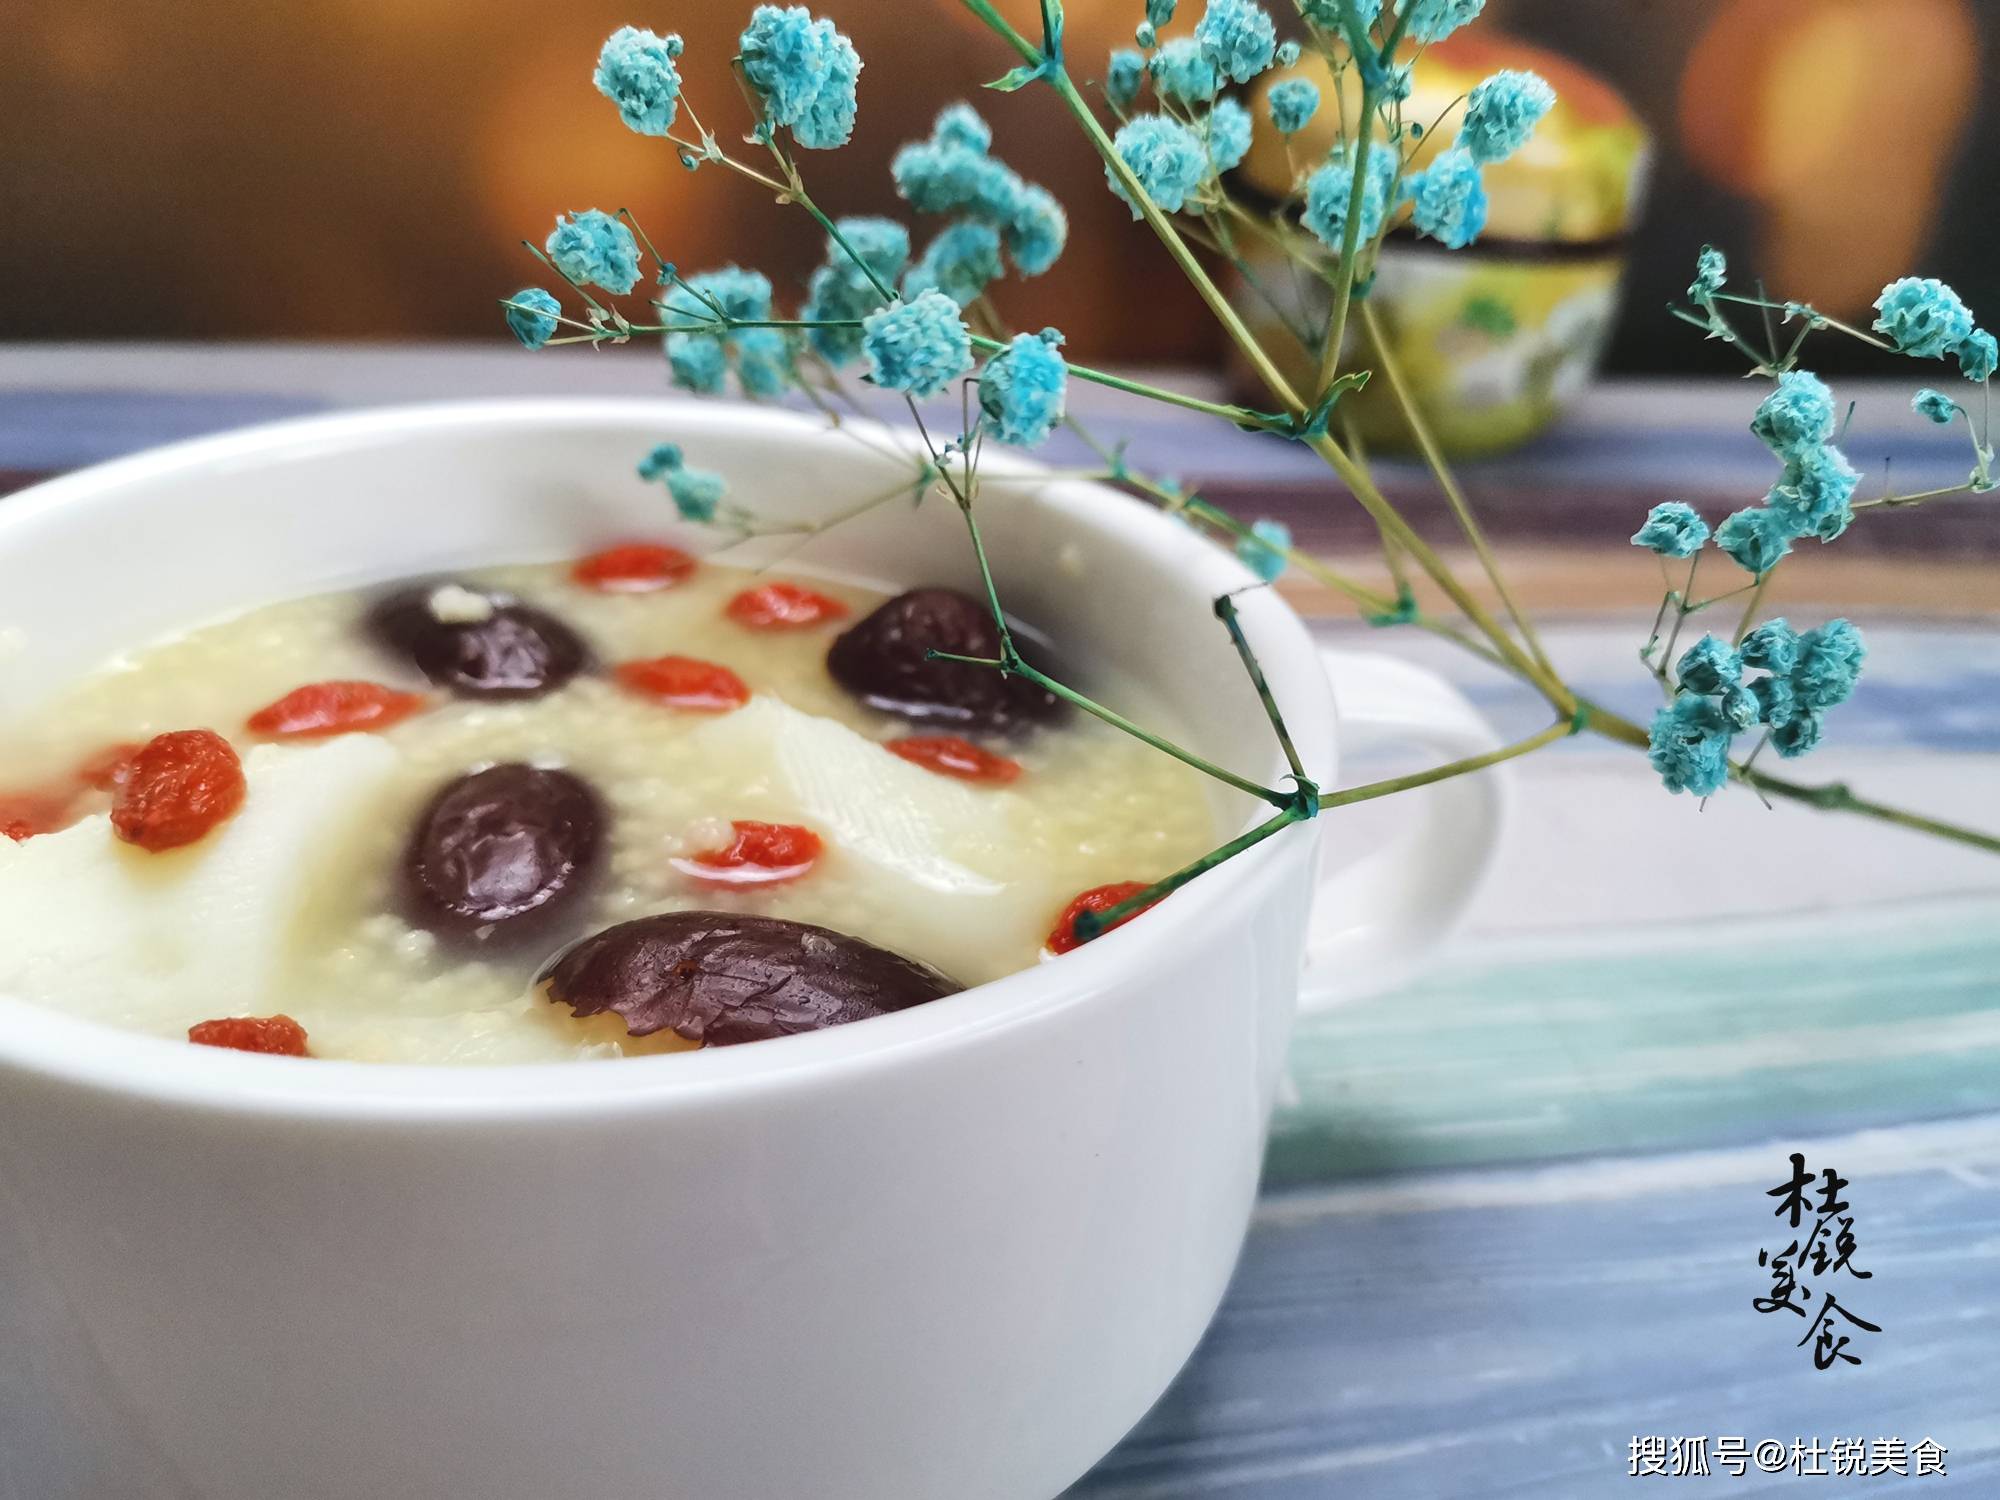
1010 662
1681 614
1461 507
1892 501
1391 521
1090 924
1750 607
1225 611
1813 317
1716 326
1368 793
1834 797
707 151
1242 416
1350 239
1118 721
1838 797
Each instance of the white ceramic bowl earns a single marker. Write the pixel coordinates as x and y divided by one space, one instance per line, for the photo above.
955 1251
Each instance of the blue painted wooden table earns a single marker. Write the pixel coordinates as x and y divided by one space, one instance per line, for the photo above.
1514 1210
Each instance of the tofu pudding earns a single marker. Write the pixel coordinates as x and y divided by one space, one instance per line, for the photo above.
628 805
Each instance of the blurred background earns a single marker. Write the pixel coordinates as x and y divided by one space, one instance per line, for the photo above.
366 168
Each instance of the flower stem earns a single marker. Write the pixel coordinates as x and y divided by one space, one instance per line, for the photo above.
1461 507
1225 611
1118 721
1347 795
1090 924
1827 797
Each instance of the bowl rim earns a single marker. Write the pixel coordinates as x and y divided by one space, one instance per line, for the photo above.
62 1049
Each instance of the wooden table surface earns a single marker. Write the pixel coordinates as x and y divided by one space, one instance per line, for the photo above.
1514 1209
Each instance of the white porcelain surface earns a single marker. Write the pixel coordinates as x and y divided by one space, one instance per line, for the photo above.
952 1252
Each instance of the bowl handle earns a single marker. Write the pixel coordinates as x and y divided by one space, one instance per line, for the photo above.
1378 918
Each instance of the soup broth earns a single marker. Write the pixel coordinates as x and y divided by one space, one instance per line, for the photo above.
304 902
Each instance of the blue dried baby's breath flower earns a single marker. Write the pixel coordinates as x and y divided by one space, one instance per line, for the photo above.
918 347
1756 539
1146 36
1829 665
1263 551
1777 704
1977 353
882 244
1036 230
1288 53
951 174
1159 13
1795 417
806 72
636 72
696 492
1022 389
728 294
1797 735
1450 203
1167 158
699 313
1124 77
1182 72
1709 665
1293 103
1739 706
697 362
959 262
594 247
1936 406
1922 317
763 361
1228 130
1711 270
1329 189
1672 529
1503 112
840 290
941 179
961 125
663 458
1774 646
1434 20
1238 37
532 313
835 295
1813 494
1689 745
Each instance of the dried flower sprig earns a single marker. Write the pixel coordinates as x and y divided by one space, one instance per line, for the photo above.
925 325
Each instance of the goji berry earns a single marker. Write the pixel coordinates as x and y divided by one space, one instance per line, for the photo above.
760 854
324 708
783 606
280 1035
949 755
633 568
181 786
684 682
1100 899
